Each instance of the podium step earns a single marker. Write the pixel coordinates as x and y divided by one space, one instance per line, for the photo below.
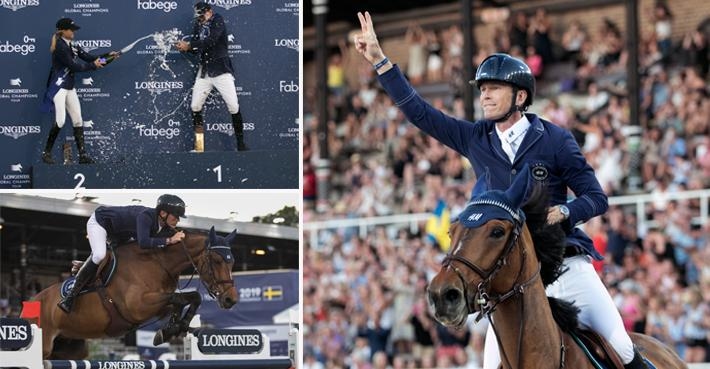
273 169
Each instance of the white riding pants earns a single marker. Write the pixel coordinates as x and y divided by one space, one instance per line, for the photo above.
582 285
224 83
97 239
67 101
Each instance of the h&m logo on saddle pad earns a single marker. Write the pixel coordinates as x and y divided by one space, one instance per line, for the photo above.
475 216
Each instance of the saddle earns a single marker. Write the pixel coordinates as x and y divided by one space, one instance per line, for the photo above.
107 267
598 349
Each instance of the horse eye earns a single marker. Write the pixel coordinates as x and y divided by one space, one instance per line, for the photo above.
498 232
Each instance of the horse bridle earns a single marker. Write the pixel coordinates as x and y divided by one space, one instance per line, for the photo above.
486 301
209 248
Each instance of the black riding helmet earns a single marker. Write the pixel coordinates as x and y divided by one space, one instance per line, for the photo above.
507 69
171 204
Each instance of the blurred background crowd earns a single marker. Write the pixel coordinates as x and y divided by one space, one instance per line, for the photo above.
364 294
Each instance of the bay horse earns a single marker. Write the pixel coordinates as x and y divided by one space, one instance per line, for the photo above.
500 261
143 287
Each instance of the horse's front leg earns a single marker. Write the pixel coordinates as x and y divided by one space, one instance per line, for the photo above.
176 325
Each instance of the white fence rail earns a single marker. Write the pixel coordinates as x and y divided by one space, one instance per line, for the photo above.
364 225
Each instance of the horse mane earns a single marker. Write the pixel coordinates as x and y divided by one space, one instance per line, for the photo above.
549 242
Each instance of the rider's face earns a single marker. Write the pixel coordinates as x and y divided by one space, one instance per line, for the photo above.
169 219
495 99
172 220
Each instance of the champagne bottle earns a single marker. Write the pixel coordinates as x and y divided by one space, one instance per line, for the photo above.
107 58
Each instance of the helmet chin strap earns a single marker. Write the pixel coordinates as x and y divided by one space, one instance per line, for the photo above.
513 108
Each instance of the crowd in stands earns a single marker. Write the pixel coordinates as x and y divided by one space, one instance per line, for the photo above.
364 295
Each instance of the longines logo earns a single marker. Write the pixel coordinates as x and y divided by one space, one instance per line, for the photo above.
16 5
89 45
291 43
28 46
16 93
289 8
166 6
19 131
86 9
88 92
227 128
159 86
229 4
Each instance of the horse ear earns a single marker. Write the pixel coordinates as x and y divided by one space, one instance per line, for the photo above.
481 186
213 234
230 238
518 191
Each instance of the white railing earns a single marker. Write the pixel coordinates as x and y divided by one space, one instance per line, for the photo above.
639 201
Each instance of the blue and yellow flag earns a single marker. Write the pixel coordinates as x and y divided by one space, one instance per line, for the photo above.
437 226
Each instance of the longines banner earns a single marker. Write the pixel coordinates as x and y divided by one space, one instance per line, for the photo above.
140 103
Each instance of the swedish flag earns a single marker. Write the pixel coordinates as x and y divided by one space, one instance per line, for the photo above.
437 226
273 293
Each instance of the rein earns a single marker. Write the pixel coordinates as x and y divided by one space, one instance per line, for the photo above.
486 302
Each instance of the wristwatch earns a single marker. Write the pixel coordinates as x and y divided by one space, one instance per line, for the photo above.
565 211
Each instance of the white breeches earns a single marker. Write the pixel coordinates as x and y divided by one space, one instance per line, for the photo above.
581 284
67 101
97 239
224 83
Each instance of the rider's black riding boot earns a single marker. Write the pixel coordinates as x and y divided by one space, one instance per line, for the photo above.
84 158
637 362
47 153
86 274
238 125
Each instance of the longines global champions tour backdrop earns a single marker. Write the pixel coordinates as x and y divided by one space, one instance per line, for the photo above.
140 103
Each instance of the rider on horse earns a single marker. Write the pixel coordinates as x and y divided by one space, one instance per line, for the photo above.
124 223
505 141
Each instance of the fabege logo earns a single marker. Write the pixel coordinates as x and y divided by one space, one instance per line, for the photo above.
15 5
291 43
25 48
155 132
18 131
89 45
16 167
166 6
158 86
16 82
228 4
288 86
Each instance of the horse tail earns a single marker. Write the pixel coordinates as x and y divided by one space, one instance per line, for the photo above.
565 314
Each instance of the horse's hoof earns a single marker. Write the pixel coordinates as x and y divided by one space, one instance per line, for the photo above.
158 339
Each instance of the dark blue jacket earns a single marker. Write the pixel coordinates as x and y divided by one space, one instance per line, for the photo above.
66 61
209 40
124 223
550 151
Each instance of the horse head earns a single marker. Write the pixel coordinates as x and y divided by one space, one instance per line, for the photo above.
214 264
481 269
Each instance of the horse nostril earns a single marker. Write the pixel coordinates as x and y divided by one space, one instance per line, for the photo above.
452 296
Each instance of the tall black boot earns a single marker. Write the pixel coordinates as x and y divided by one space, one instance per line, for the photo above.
86 274
637 362
198 125
238 124
79 138
47 153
